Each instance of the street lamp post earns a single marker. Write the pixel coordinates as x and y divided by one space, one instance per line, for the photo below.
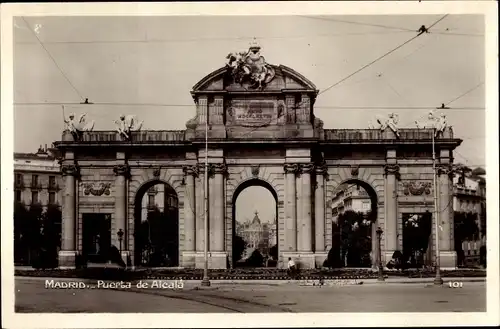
120 239
380 267
437 280
206 282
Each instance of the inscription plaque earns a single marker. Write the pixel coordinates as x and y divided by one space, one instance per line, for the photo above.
253 113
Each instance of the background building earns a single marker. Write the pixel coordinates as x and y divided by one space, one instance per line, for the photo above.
258 235
350 197
469 196
37 187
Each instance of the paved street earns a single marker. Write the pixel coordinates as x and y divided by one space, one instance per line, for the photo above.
32 296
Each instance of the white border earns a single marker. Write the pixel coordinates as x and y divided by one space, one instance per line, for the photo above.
488 8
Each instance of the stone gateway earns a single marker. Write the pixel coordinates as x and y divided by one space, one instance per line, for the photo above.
261 131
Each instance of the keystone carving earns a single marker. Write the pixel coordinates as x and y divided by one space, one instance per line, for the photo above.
121 170
255 170
354 171
70 170
156 172
417 188
103 188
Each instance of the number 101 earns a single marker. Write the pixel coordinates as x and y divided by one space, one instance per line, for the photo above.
455 284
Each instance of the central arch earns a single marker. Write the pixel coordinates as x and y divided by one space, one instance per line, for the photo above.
367 217
156 219
269 233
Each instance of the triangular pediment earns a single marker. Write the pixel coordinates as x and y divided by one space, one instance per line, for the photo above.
284 78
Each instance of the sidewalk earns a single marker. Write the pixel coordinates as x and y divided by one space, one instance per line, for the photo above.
193 284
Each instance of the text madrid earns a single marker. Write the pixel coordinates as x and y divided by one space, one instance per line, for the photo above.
155 284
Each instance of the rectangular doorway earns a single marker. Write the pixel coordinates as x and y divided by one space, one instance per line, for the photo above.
96 237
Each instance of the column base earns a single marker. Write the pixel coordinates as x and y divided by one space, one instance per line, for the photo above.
216 260
386 257
67 259
303 259
447 260
320 257
126 257
188 259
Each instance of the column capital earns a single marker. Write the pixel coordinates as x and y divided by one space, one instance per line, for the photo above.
70 170
444 169
307 168
121 170
291 168
190 170
392 169
322 169
218 168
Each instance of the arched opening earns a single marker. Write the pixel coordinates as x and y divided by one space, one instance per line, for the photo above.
255 225
156 226
354 216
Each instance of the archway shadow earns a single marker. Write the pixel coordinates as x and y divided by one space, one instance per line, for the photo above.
156 234
354 240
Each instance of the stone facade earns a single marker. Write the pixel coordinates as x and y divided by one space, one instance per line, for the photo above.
266 135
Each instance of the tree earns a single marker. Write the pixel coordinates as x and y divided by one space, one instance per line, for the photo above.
273 251
51 237
465 228
21 241
239 246
355 237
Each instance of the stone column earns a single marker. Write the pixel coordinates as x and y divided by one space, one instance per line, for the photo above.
189 209
445 207
67 254
122 172
217 212
306 222
290 208
319 211
391 207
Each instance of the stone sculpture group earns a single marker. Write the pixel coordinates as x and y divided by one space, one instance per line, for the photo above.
432 122
124 126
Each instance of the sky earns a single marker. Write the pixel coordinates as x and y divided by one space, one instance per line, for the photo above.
148 66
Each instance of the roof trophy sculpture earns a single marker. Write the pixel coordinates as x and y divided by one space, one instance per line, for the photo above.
250 66
127 124
77 127
432 122
391 122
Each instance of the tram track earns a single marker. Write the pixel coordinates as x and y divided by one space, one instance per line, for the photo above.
223 302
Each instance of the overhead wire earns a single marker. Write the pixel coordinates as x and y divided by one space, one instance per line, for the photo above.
53 59
381 57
